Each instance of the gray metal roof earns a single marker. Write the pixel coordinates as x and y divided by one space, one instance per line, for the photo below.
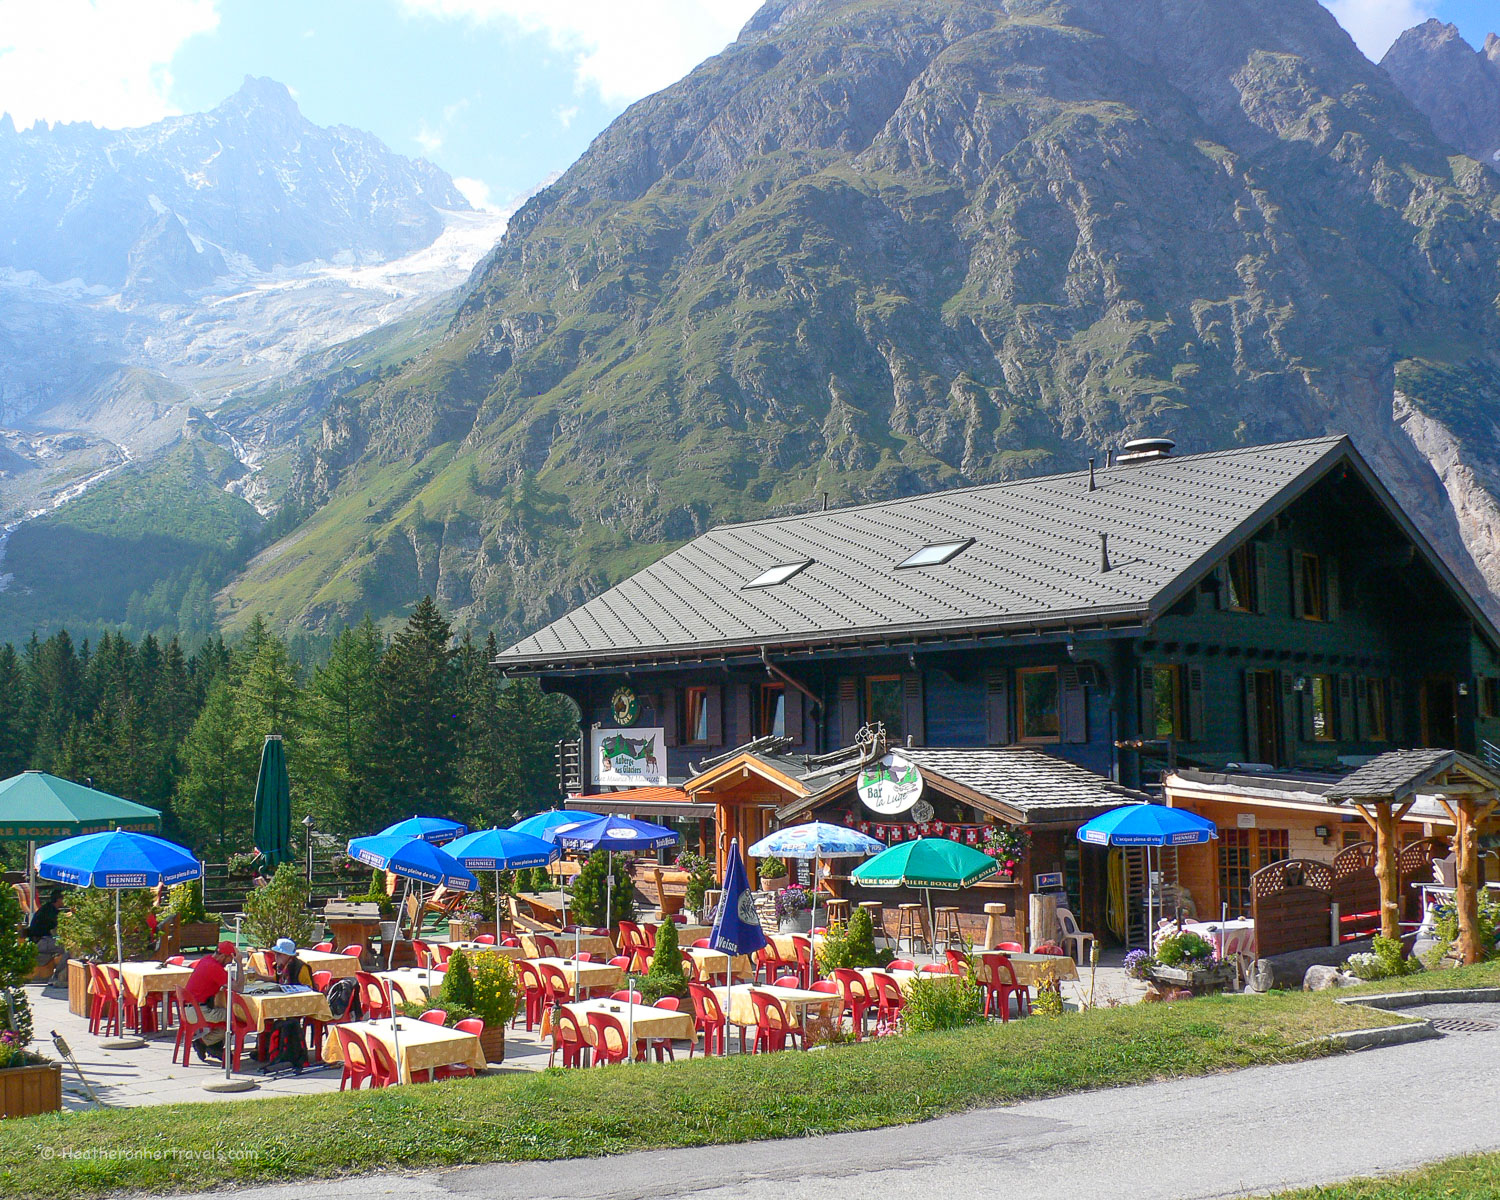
1398 774
1035 559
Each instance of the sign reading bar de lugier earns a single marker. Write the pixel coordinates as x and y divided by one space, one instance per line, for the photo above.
891 786
629 757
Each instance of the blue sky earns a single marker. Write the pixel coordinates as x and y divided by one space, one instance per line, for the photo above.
500 93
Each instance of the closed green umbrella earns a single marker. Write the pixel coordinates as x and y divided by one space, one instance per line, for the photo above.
273 804
926 863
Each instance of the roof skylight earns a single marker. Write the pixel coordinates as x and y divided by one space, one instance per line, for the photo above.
771 576
936 554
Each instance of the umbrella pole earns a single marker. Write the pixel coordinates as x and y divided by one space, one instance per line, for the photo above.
125 1041
609 889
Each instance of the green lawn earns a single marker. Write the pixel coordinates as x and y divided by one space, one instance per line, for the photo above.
1476 1177
561 1114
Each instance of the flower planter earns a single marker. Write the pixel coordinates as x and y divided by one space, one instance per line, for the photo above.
467 931
29 1091
800 923
1200 979
769 883
78 988
492 1042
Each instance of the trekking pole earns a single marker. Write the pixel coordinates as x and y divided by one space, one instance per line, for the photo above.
62 1048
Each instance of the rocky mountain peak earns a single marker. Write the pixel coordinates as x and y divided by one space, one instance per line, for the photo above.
1455 86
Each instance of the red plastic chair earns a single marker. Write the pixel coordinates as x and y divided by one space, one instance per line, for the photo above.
356 1055
434 1016
768 963
958 962
773 1028
789 981
690 967
545 946
620 961
662 1046
354 950
671 1003
533 993
859 998
104 1002
567 1036
177 960
583 956
485 939
424 954
936 969
889 999
1011 947
997 976
383 1071
901 964
241 1026
648 934
555 983
807 964
316 1027
456 1070
627 997
511 942
373 1001
708 1019
322 980
442 952
191 1022
399 994
702 944
323 948
610 1045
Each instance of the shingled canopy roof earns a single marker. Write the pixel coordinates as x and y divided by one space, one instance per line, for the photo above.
1034 562
1400 774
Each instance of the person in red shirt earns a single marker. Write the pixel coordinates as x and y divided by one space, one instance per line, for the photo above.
210 976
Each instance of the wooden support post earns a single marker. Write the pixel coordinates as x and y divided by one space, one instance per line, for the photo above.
1466 891
1388 870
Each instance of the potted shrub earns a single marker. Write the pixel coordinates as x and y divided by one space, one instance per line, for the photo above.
665 978
29 1083
773 874
242 865
591 894
1185 960
794 909
700 873
280 909
494 1000
852 946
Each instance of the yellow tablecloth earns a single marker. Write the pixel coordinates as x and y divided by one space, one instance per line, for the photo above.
340 966
424 1045
510 952
143 979
600 947
796 1001
279 1006
414 981
1032 969
784 946
590 976
650 1021
716 962
688 934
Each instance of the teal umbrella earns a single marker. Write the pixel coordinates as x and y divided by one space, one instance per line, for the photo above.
273 804
926 863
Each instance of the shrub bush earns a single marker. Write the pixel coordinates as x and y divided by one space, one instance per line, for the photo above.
87 929
1446 928
772 867
17 961
494 989
185 902
852 946
458 983
279 909
1385 961
700 878
942 1002
588 902
376 895
1183 949
665 978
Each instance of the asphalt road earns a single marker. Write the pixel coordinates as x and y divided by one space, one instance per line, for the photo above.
1242 1133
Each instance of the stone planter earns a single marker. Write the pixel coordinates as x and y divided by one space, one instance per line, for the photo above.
78 988
30 1091
798 923
769 883
492 1042
1203 979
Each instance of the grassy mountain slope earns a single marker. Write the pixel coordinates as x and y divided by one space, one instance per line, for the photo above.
881 246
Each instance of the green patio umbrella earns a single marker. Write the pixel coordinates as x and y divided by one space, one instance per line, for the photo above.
273 804
926 863
37 807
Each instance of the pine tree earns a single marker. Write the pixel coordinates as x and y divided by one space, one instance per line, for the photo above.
340 714
212 806
418 719
15 731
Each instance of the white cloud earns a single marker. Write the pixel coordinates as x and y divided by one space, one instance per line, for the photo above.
1375 24
475 191
105 61
567 115
621 51
431 140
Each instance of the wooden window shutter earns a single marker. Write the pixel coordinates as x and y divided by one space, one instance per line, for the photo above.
1289 723
714 699
1148 701
742 697
1262 579
1252 719
1305 711
1361 728
1345 685
1195 718
1331 588
1296 563
912 708
669 715
794 703
1073 705
848 710
997 708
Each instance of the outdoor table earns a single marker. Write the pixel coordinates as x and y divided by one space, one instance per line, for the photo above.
796 1002
688 934
266 1007
586 977
784 947
424 1046
1032 969
591 943
414 981
511 952
713 963
649 1021
340 966
146 979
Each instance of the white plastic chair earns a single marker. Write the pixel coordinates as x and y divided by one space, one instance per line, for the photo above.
1071 933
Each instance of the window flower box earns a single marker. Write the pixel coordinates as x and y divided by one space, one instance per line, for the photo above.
30 1090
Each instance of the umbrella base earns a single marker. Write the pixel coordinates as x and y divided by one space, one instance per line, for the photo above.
230 1085
122 1043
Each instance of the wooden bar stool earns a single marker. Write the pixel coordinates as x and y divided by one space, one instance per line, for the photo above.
912 927
876 909
838 911
947 933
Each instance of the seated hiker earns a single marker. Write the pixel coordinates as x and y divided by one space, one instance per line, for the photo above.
286 967
42 931
209 977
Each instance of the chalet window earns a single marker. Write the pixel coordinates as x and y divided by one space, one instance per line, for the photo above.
695 716
1242 590
1489 697
1352 837
1242 852
1320 701
1165 717
884 703
771 718
1374 718
1311 601
1040 711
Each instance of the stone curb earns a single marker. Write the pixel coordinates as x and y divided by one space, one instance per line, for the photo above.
1390 1001
1386 1035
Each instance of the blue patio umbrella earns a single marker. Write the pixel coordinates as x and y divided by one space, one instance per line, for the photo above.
815 840
437 830
412 858
117 860
613 833
501 850
539 824
1147 825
